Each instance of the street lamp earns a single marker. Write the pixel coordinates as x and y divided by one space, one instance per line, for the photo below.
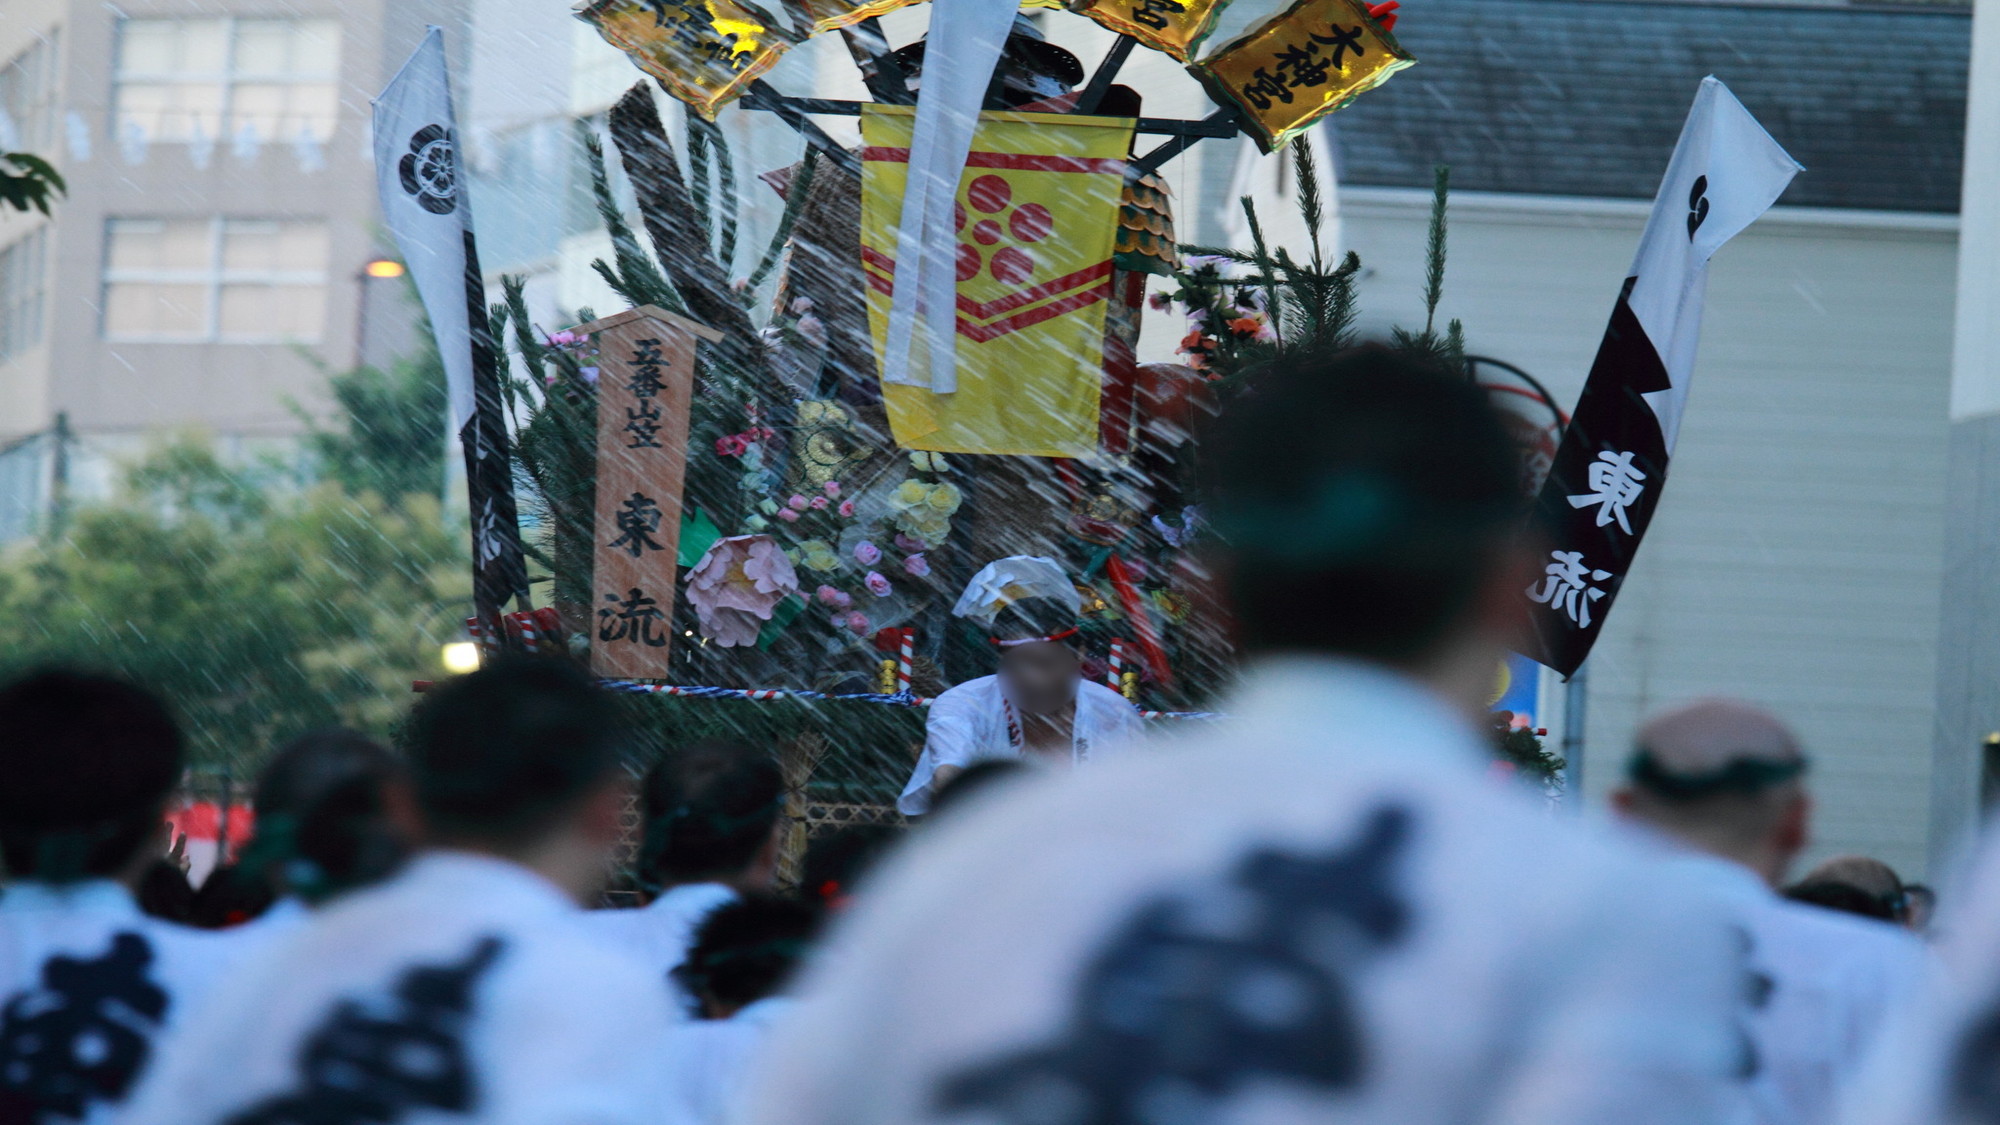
461 657
385 269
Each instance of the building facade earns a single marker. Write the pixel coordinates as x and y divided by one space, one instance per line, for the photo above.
206 266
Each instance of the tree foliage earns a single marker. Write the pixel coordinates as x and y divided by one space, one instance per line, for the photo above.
259 609
389 437
27 181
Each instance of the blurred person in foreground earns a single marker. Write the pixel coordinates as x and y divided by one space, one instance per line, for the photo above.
1723 779
334 813
1319 909
1038 708
712 834
465 988
742 958
88 985
1855 884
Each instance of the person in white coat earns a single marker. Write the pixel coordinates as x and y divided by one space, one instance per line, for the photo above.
1038 708
712 834
467 987
89 986
1724 781
1321 908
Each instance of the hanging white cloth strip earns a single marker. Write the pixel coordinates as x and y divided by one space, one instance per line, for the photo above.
964 45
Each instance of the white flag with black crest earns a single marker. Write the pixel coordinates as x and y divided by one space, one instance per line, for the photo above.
1599 498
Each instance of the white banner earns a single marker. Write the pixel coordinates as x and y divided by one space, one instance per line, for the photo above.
426 208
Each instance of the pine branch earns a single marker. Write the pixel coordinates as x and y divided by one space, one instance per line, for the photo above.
698 186
636 278
1435 251
725 167
1272 303
795 202
1310 206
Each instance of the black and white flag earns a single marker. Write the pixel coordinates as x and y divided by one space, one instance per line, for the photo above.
425 206
1600 496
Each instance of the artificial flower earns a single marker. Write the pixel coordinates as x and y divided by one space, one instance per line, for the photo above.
831 488
799 503
909 494
945 498
757 523
1246 325
731 446
819 503
917 566
846 509
814 554
788 515
801 305
813 329
905 543
836 598
867 553
878 585
737 586
857 623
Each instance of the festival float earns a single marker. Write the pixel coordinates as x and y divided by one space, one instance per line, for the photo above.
763 517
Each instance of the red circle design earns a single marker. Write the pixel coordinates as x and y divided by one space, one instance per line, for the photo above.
969 261
1012 266
990 194
958 216
1032 223
986 233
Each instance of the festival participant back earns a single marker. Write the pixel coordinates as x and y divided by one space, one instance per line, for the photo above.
334 814
466 988
88 984
1723 780
711 835
1321 909
743 955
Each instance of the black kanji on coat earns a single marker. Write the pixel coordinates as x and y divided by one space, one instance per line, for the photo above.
371 1063
81 1036
1204 991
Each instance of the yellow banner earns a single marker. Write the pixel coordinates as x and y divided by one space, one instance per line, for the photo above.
1037 223
705 52
1300 65
1173 26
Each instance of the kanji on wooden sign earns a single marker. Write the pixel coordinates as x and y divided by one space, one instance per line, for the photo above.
645 384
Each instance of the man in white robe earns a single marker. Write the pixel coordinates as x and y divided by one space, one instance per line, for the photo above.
1722 779
467 988
89 986
1321 908
1038 708
712 834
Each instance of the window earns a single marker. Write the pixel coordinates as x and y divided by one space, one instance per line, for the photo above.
21 287
28 99
271 79
237 281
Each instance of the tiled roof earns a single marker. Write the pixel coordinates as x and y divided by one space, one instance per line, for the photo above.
1586 97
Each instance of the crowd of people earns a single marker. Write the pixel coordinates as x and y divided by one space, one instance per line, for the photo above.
1321 907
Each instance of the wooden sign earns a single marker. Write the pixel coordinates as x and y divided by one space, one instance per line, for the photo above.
645 384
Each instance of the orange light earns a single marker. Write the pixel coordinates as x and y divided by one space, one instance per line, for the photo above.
384 268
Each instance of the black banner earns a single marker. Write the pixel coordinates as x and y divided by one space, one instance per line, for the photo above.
499 571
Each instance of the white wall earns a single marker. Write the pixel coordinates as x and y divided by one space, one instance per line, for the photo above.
1797 557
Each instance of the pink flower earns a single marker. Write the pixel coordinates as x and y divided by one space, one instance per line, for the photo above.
731 446
857 623
827 595
788 515
917 566
909 544
846 509
866 553
799 503
819 503
737 585
832 488
878 585
1159 301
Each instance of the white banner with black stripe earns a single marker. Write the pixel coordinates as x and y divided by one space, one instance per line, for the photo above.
1600 497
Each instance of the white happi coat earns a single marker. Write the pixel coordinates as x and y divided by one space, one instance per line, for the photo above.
84 975
464 989
1823 985
969 723
1320 909
663 931
711 1064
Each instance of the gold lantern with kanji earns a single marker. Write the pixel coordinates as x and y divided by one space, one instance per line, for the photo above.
705 52
1300 65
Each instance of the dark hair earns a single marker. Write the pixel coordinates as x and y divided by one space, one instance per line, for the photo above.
1362 497
500 753
710 808
1846 898
837 860
745 951
231 896
1032 618
163 891
86 763
321 815
974 779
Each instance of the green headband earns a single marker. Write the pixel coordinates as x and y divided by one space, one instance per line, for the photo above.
1744 777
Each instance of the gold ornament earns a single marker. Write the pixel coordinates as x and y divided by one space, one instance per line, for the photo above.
705 52
1297 67
1174 26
